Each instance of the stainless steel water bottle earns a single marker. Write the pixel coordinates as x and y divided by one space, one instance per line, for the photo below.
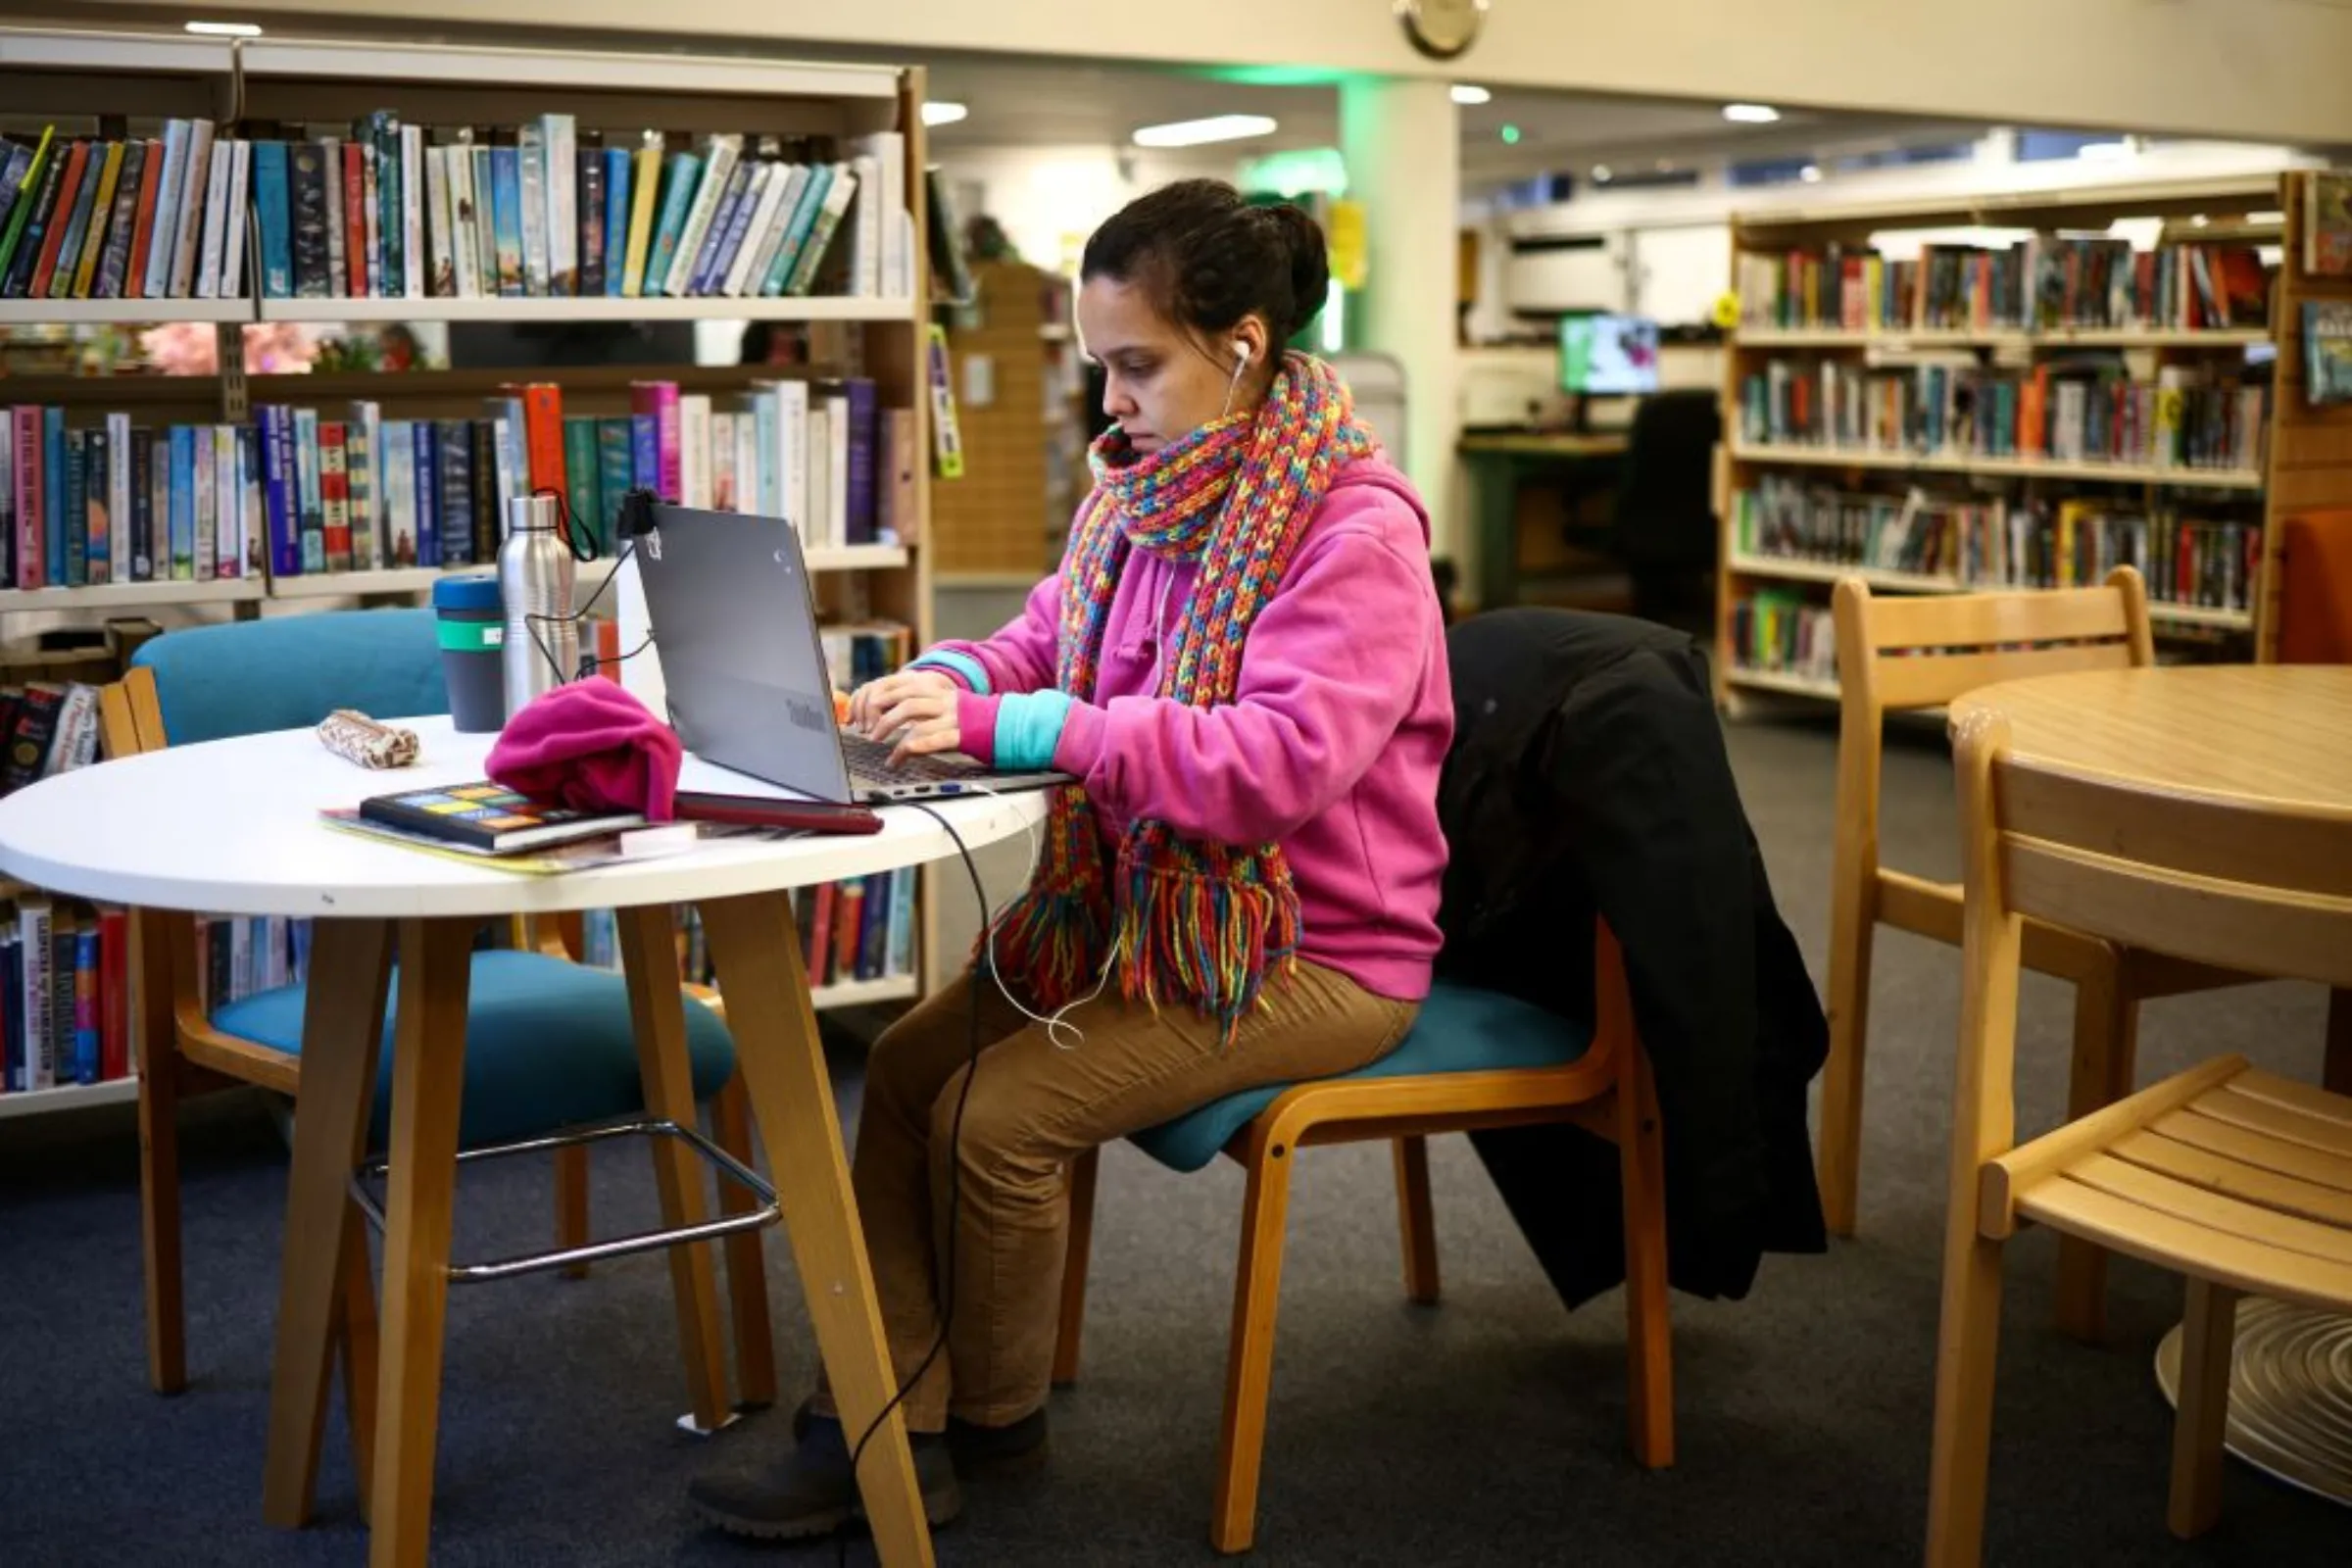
534 589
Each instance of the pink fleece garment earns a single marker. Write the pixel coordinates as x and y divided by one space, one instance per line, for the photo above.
590 745
1331 749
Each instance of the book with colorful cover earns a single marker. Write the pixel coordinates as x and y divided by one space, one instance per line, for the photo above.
489 818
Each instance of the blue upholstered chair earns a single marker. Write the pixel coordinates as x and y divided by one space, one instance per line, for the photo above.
549 1042
1473 1059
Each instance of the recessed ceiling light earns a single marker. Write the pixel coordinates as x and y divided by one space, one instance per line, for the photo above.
1750 114
2103 152
1810 174
1465 94
1601 173
224 29
1193 133
943 112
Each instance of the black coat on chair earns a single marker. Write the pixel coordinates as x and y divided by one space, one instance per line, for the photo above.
1587 773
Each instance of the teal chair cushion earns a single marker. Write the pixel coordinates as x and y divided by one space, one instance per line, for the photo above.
1460 1029
245 677
548 1045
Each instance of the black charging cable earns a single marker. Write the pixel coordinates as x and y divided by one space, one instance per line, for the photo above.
636 517
947 1288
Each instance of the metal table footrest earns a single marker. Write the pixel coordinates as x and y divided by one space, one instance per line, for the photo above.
728 1166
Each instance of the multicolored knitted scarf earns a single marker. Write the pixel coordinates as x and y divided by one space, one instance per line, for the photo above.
1183 919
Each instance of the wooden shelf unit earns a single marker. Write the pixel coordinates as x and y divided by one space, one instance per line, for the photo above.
1000 522
2307 457
72 76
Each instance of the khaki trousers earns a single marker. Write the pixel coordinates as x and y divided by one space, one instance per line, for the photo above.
1036 1104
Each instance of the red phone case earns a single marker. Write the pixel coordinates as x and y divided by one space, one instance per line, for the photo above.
758 810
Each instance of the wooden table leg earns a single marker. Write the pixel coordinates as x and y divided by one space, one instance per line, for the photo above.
658 1011
342 1029
428 1064
756 951
2336 1073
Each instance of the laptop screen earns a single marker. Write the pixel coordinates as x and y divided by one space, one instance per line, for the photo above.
734 620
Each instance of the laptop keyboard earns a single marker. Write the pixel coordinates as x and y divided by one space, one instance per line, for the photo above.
870 759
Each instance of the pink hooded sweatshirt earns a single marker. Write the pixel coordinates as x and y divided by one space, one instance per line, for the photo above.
1331 749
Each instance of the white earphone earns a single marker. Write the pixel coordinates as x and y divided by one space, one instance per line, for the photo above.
1241 363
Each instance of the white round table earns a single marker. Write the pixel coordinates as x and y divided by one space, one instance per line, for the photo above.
233 827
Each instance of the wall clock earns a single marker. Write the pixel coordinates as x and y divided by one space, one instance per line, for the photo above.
1441 30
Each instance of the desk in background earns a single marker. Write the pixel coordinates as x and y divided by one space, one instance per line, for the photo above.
1500 461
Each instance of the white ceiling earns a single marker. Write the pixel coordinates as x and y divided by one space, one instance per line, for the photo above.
1022 103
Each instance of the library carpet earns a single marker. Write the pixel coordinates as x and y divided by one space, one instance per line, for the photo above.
1487 1430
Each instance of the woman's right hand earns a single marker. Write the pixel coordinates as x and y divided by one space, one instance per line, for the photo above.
876 698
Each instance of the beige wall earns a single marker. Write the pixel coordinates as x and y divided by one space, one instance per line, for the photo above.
2271 70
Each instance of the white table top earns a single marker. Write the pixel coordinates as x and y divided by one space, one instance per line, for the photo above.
232 827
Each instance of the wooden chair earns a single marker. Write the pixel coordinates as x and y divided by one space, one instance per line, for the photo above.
1922 652
182 1052
2239 1180
1521 1066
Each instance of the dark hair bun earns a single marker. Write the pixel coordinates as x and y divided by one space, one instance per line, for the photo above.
1311 261
1206 258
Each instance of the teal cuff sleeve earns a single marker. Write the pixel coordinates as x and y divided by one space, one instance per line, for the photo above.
974 673
1029 729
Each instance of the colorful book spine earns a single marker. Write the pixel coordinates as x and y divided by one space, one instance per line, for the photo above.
273 216
180 486
590 220
334 495
98 500
142 504
580 477
619 195
426 480
454 449
77 505
616 475
507 218
660 398
677 196
309 500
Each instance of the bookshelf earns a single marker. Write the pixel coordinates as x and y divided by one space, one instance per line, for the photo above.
855 325
1875 415
1011 358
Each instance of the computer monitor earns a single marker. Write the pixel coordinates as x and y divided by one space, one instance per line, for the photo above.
1608 356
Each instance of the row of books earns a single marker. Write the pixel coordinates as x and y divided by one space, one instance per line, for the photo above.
387 210
2047 283
160 217
65 1014
860 929
350 490
820 453
1779 632
2186 418
542 209
2207 561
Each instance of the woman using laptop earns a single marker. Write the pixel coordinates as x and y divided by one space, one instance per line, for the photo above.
1242 663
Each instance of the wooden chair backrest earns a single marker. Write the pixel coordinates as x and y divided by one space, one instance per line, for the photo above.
1925 651
2239 884
131 717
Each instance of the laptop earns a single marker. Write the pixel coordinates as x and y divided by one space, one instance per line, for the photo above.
733 616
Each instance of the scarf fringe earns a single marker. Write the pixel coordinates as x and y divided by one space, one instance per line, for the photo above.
1204 933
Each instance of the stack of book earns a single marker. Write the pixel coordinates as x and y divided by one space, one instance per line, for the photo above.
542 209
2048 283
2188 417
120 218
